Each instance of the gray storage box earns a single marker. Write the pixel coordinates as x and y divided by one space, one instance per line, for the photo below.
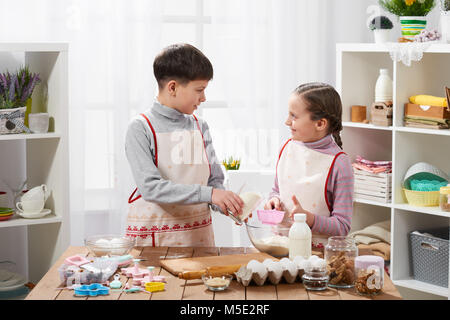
430 256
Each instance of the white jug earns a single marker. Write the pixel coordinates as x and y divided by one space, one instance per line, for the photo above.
37 193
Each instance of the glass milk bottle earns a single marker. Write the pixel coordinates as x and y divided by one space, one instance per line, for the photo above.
299 237
383 87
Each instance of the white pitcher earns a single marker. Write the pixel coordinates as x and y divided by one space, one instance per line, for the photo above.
37 193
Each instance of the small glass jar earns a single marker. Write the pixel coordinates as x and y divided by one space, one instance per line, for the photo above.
315 278
444 199
340 254
369 274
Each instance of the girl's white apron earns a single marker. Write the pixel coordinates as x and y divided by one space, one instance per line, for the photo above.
304 172
181 158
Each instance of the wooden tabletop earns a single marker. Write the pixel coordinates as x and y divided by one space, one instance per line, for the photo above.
178 289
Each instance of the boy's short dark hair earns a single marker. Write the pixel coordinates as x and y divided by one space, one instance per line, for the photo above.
182 62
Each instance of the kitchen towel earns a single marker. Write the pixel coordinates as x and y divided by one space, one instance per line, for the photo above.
377 232
381 249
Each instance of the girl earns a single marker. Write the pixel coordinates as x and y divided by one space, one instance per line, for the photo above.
313 175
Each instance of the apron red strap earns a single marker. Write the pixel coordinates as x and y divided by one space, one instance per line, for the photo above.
130 199
279 156
204 144
328 177
154 137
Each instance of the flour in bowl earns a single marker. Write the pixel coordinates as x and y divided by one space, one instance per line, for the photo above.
275 245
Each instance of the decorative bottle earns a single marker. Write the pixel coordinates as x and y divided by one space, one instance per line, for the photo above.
383 87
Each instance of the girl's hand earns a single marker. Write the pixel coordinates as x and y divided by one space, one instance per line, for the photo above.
299 209
227 200
273 203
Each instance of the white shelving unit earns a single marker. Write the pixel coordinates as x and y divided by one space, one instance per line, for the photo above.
46 156
358 67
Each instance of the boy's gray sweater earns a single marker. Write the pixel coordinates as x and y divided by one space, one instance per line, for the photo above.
140 152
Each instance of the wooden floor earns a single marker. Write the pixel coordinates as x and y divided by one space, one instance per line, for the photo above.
178 289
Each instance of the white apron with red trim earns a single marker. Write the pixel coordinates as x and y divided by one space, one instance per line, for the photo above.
304 172
181 158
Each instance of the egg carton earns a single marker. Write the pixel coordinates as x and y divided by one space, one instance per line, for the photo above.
275 271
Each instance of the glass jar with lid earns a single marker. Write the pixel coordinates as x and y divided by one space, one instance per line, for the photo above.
444 198
369 271
340 254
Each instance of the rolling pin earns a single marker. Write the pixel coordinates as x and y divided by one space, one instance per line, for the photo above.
214 271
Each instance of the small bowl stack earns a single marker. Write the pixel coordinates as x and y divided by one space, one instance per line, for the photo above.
6 213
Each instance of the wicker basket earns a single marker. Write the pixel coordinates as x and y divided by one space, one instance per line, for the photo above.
430 256
422 198
423 171
7 126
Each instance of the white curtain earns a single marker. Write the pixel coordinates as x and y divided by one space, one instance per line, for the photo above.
112 44
261 51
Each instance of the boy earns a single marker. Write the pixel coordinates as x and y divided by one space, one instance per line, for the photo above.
172 158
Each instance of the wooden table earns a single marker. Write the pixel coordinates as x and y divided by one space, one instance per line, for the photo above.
178 289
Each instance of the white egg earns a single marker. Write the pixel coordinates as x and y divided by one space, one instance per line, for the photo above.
252 263
268 262
319 263
292 268
276 268
102 243
298 260
304 264
257 267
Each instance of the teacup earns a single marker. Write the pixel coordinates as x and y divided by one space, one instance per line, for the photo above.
37 193
30 207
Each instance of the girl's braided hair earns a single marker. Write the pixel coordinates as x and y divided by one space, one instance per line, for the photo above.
323 101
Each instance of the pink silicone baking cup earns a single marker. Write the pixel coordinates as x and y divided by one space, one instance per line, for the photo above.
270 216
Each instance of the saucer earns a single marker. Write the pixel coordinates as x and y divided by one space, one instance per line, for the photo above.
44 212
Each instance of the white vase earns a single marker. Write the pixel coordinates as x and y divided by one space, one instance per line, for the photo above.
383 87
445 26
381 35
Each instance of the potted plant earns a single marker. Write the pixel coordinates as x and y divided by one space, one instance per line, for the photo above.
231 164
412 14
445 20
381 27
15 94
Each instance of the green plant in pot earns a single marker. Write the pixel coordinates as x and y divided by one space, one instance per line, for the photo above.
15 94
411 13
231 164
381 27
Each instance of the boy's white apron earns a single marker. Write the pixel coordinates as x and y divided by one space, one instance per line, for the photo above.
181 158
304 172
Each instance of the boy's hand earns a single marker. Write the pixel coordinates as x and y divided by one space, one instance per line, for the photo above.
273 203
227 200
